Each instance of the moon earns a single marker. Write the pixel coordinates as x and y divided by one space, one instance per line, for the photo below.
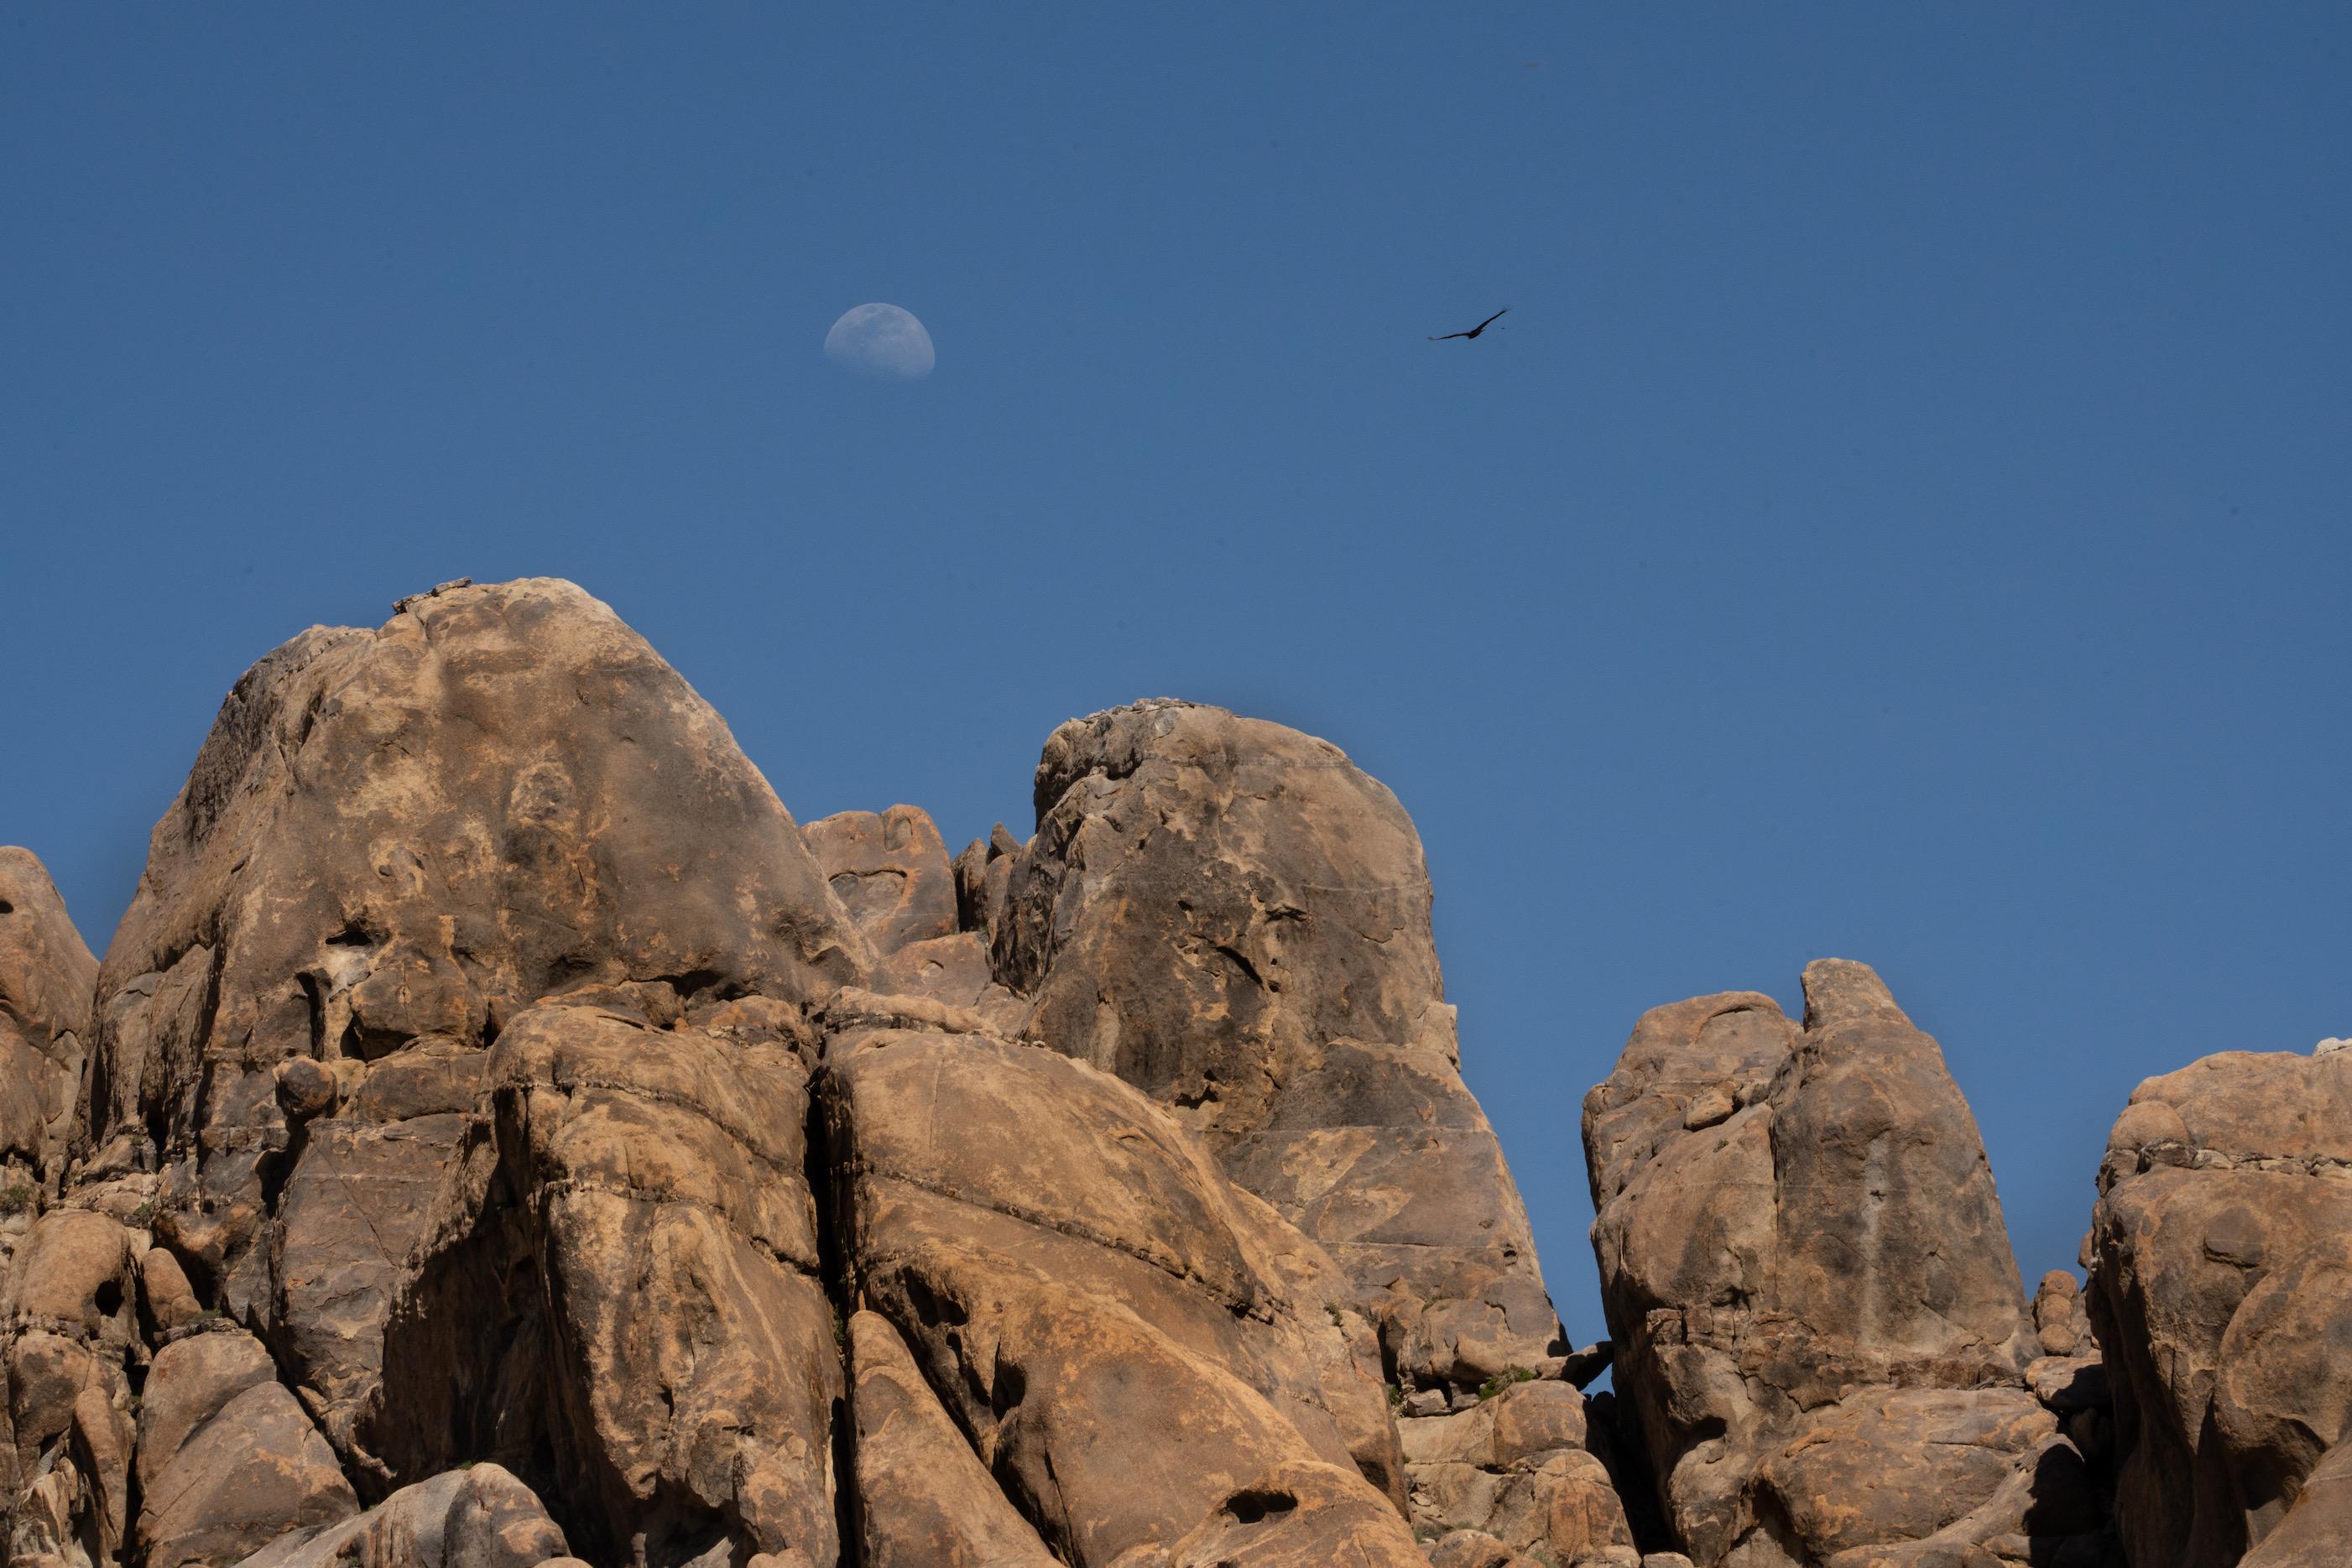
881 341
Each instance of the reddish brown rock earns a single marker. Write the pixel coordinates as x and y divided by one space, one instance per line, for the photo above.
2221 1291
393 843
480 1517
622 1305
891 872
1230 916
68 1326
228 1462
1147 1360
924 1499
1514 1467
46 977
1816 1313
2314 1531
392 846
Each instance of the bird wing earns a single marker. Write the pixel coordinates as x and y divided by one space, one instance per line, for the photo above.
1449 335
1490 320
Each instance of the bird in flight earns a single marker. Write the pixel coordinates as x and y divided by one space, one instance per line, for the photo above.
1478 328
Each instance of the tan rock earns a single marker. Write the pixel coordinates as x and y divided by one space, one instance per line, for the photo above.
1230 916
1300 1514
2315 1527
1817 1290
593 1248
2221 1292
46 977
1117 1332
393 843
164 1294
924 1499
1474 1549
668 1342
228 1462
479 1517
891 872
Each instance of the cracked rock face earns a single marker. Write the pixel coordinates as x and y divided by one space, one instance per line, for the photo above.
46 975
1817 1314
2221 1287
503 1133
1232 917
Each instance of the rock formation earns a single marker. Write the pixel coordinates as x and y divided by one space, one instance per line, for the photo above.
2220 1257
1231 916
46 975
1816 1311
500 1136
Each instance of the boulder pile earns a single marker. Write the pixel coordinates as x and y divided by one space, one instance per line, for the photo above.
500 1136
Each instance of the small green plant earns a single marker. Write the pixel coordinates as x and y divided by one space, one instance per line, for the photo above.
1396 1397
143 1214
840 1331
209 1314
15 1198
1504 1379
1337 1320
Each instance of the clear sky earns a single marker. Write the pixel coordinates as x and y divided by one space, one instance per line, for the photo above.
1903 516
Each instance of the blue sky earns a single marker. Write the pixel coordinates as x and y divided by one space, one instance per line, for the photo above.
1903 516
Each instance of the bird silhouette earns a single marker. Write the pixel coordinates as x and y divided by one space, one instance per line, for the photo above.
1478 328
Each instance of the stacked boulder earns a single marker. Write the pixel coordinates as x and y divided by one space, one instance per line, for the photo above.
1817 1316
498 1130
2221 1258
1232 916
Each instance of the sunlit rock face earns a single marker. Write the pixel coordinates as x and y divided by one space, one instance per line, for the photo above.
1818 1318
46 975
1234 918
2221 1258
501 1137
499 1131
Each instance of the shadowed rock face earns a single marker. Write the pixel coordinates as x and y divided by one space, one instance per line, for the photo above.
46 974
1232 917
1810 1288
2221 1287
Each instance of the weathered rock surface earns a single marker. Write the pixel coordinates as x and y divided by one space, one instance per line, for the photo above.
2315 1530
891 873
392 843
1151 1364
394 846
1514 1468
480 1517
1815 1309
1232 916
46 975
498 1131
68 1329
924 1499
228 1462
2221 1287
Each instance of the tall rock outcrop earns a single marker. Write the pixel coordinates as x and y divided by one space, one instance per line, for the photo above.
1234 918
46 975
499 1130
1817 1315
2221 1287
320 1028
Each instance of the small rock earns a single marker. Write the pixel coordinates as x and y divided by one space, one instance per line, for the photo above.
164 1287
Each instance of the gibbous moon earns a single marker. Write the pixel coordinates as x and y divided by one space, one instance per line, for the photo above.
882 341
